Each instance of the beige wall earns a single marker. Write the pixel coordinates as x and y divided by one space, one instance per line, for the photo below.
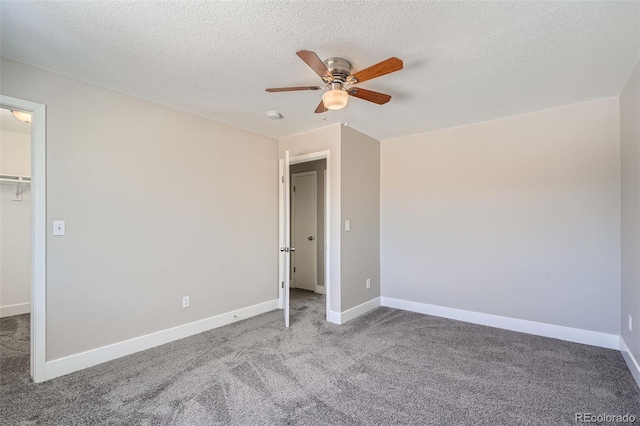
324 139
15 153
361 206
518 217
630 157
15 225
319 166
155 210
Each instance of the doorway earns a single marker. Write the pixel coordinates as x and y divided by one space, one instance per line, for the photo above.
307 189
35 192
308 225
303 165
15 215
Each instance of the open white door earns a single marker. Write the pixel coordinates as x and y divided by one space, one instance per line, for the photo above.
285 236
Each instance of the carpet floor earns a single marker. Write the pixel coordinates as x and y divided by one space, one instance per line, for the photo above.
388 367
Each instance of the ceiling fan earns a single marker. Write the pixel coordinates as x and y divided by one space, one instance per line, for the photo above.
336 74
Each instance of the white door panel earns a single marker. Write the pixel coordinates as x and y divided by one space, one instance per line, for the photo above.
285 236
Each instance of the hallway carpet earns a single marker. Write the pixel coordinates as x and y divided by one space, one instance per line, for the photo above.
388 367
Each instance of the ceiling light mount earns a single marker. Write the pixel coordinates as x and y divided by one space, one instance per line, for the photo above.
274 115
339 68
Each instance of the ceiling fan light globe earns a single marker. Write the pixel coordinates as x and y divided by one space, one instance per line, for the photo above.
22 116
335 99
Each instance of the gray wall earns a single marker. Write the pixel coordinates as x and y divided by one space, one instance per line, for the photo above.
156 209
630 157
319 166
361 206
517 217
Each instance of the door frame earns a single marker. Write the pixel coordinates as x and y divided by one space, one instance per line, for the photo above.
38 232
305 158
315 224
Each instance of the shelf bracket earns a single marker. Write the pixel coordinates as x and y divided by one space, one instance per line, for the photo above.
20 181
19 191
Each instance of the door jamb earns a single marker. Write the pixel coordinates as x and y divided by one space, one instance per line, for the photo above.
38 231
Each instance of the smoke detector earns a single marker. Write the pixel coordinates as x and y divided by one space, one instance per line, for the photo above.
274 115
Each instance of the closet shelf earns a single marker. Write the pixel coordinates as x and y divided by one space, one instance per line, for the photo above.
18 180
15 179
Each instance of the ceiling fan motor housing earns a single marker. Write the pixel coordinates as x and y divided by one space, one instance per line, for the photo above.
339 68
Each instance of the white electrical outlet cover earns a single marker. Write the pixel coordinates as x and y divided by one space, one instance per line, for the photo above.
59 227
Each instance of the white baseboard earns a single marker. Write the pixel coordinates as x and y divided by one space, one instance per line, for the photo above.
320 289
333 317
631 361
594 338
17 309
69 364
356 311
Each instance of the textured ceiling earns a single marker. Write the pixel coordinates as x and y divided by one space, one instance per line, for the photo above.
465 62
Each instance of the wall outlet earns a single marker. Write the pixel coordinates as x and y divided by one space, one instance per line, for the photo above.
630 323
368 282
185 302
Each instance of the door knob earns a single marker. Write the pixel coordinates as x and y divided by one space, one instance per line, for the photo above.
310 238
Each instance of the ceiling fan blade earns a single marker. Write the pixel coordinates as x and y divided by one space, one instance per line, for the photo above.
291 89
321 108
316 64
369 95
385 67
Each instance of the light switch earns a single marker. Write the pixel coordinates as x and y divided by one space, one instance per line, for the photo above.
58 227
347 225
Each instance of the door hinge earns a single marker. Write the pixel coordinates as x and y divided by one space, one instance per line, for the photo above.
282 177
282 284
294 189
294 269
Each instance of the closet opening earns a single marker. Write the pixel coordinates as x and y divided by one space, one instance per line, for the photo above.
23 212
307 268
15 239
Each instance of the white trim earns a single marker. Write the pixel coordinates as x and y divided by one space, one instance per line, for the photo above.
325 248
631 361
69 364
577 335
38 231
320 289
17 309
305 158
349 314
333 317
361 309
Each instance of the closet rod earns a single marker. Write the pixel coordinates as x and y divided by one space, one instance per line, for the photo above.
15 179
19 181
